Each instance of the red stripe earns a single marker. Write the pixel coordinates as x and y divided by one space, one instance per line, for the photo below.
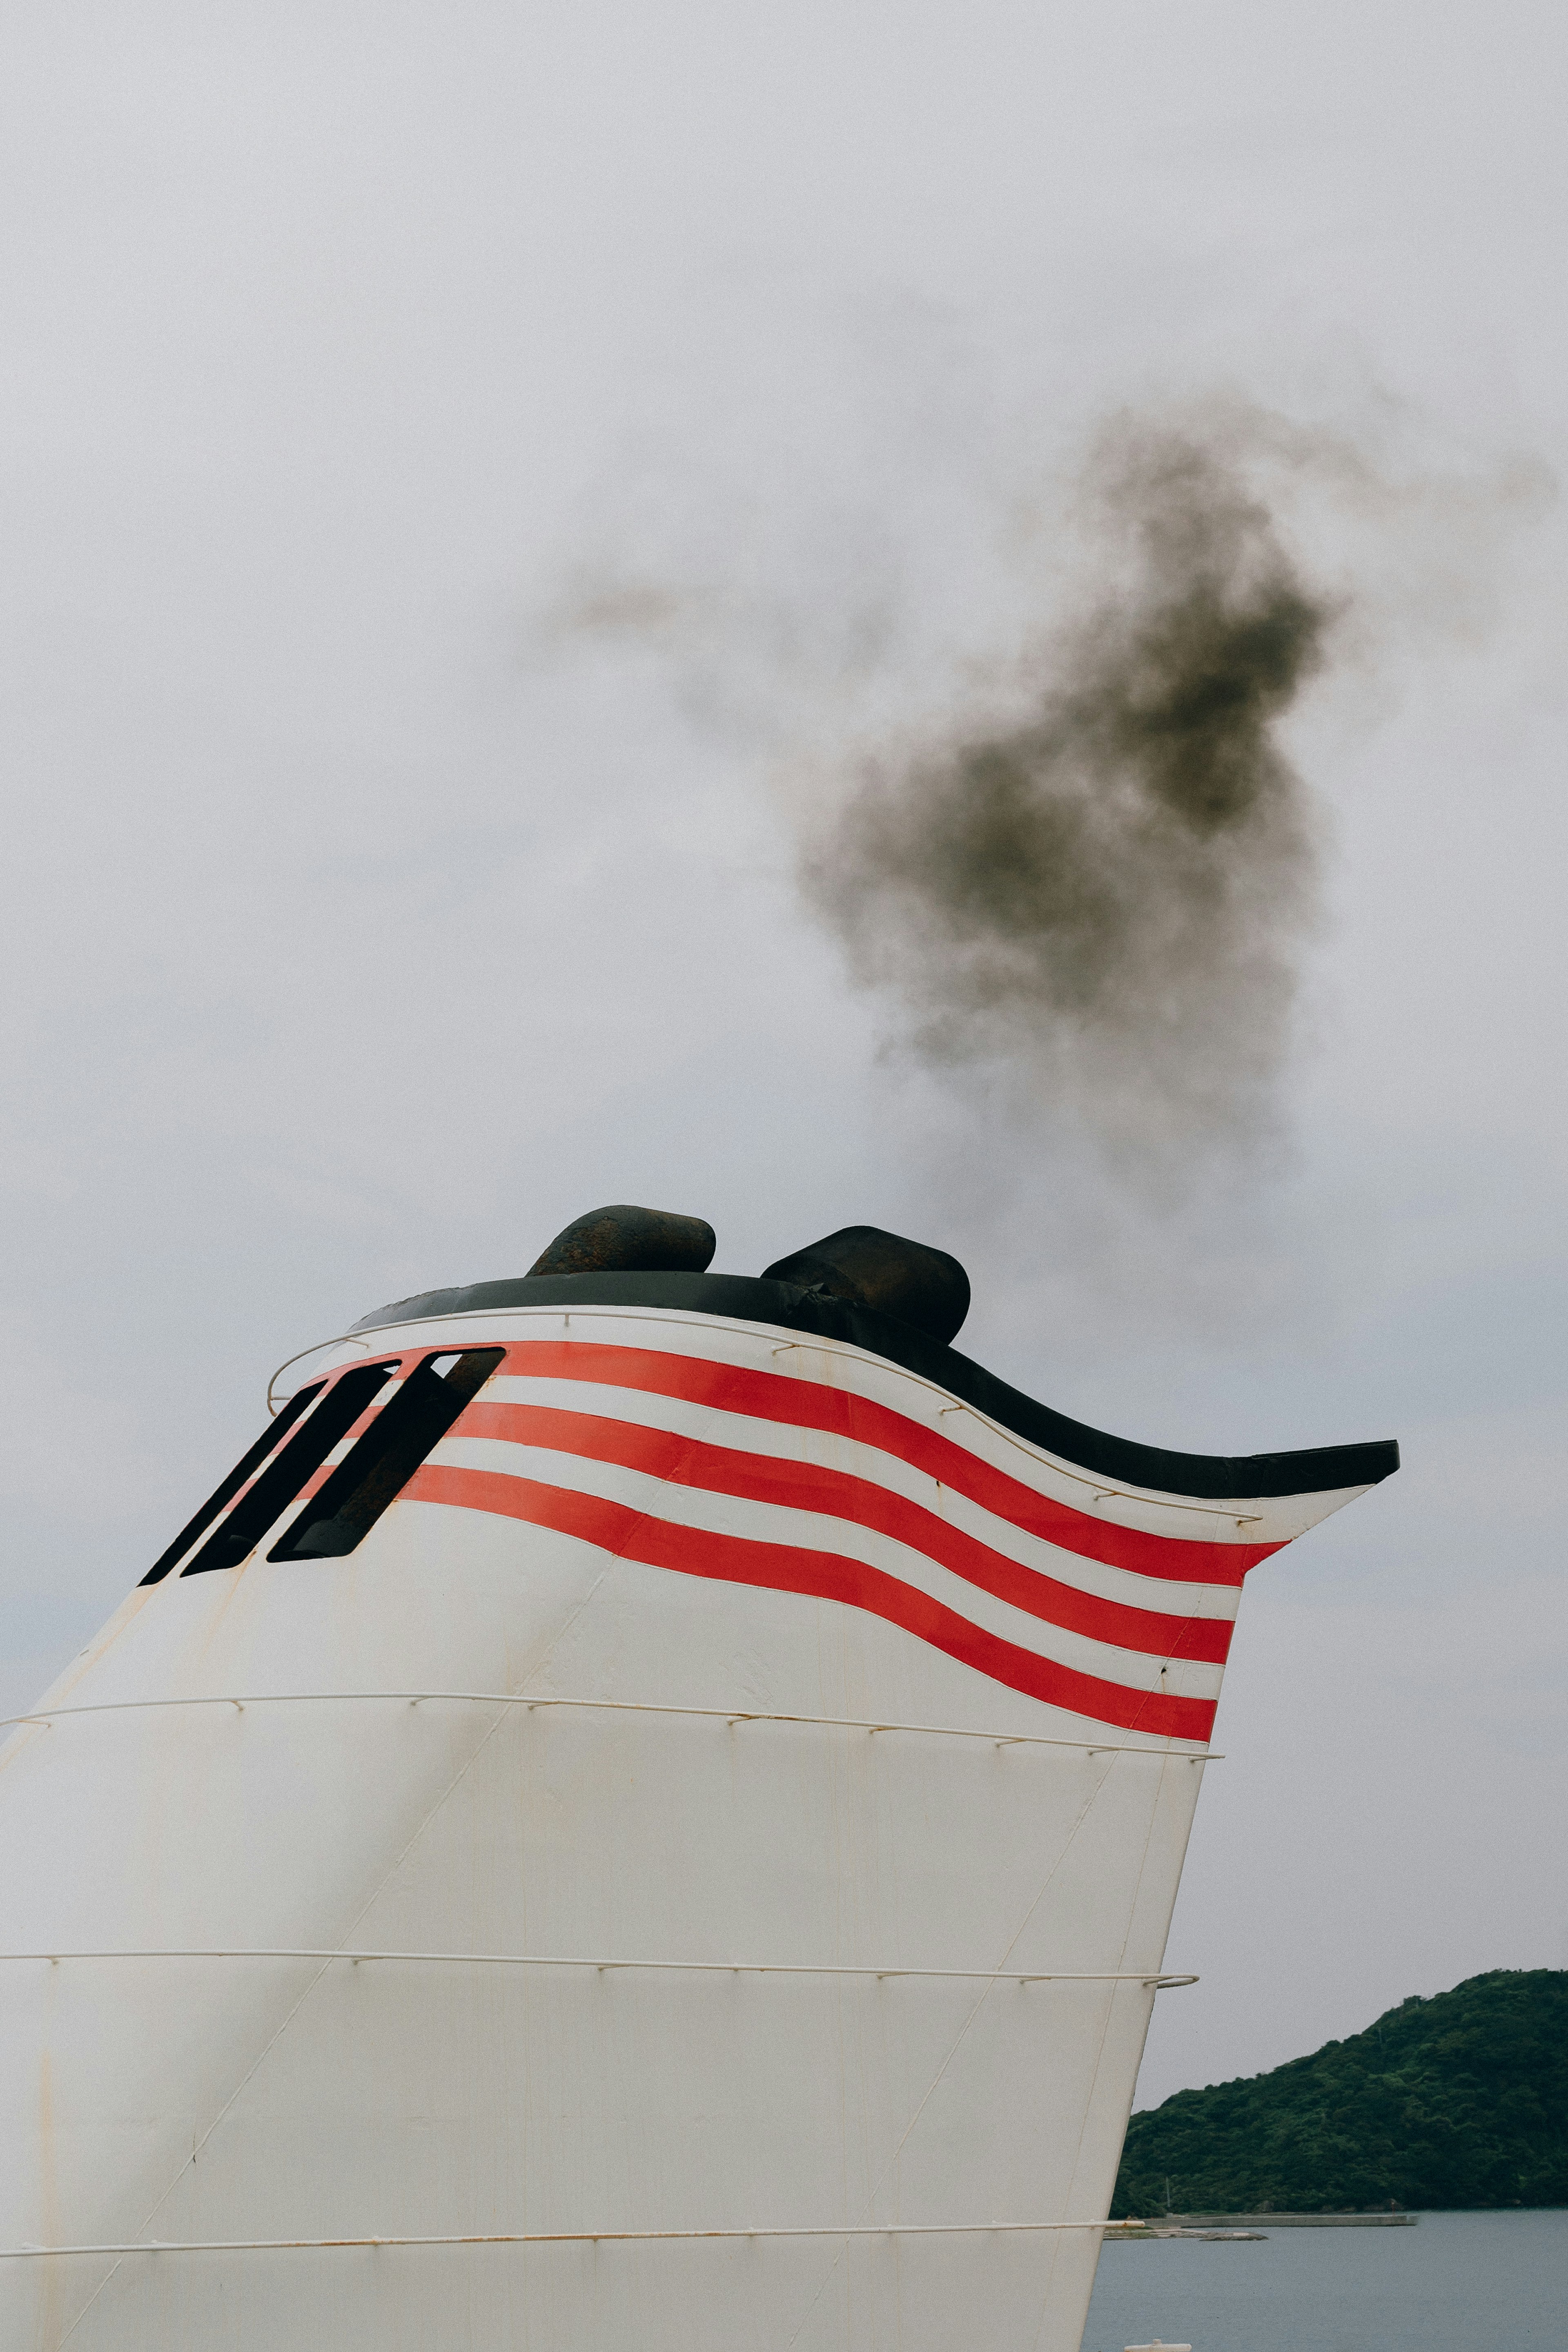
784 1568
808 1404
808 1487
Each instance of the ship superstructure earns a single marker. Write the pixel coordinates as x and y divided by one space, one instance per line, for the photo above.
644 1813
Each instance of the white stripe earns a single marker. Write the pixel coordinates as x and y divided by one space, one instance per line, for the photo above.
1270 1519
824 1363
728 1514
788 1442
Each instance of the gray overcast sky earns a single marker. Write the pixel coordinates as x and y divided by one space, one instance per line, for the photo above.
364 918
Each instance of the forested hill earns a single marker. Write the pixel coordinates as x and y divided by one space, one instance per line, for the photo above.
1461 2100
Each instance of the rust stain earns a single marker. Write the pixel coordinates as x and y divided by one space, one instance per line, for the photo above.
213 1624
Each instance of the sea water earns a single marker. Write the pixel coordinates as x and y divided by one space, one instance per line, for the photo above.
1456 2283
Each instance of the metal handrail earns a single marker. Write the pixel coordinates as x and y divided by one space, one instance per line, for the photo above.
559 2238
574 1960
667 1316
732 1715
343 1339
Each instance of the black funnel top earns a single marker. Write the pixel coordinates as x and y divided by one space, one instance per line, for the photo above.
624 1240
861 1264
863 1288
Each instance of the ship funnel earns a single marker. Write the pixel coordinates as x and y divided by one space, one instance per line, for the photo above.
644 1811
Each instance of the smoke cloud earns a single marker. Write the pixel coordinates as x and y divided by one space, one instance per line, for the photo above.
1027 706
1105 893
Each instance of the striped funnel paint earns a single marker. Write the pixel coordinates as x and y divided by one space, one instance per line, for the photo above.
646 1814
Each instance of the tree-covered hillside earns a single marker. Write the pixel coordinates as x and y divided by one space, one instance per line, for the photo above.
1461 2100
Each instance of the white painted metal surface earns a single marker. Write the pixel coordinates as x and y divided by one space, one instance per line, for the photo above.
525 1943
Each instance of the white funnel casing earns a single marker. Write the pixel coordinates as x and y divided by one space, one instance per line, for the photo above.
684 1867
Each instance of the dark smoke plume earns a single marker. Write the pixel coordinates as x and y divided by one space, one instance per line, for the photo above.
1108 892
